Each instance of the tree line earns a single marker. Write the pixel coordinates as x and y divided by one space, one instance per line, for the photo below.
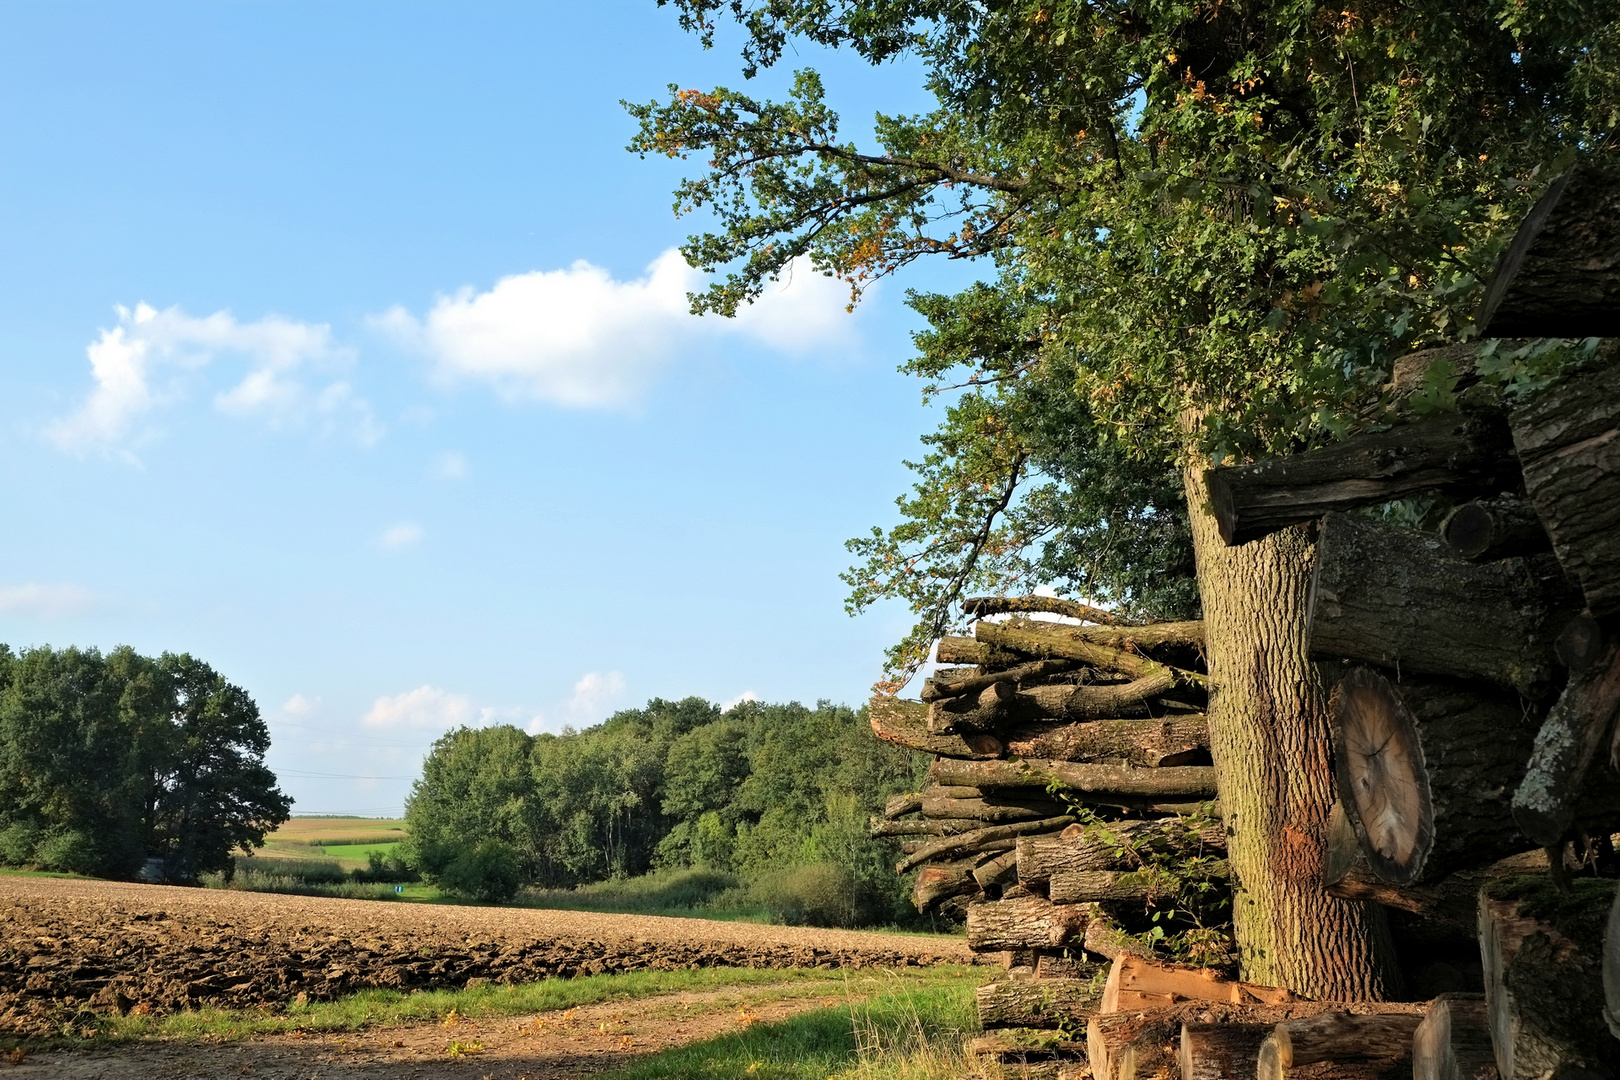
758 790
109 760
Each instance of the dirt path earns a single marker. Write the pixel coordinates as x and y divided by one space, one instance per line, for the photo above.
546 1046
67 946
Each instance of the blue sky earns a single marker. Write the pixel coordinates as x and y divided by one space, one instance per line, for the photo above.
343 346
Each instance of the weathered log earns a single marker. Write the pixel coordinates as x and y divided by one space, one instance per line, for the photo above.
1494 528
1395 597
1101 886
1560 276
1047 640
980 606
1182 782
992 810
1016 1056
1106 938
979 840
1069 964
941 686
1454 1040
1220 1051
965 650
1456 454
1125 1046
997 872
1150 743
1037 1003
1543 976
1115 845
971 712
940 882
1117 700
1566 749
930 827
901 805
958 846
1424 770
1568 438
1136 982
1028 923
905 723
1341 1036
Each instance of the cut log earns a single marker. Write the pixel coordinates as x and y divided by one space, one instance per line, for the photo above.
1395 597
1611 968
1117 845
1102 886
905 723
1138 983
1148 743
980 840
1543 977
1568 438
1108 939
1495 528
956 847
1028 923
1060 702
1048 640
901 805
997 872
1181 783
965 650
942 686
1128 1046
1566 749
932 827
1220 1051
1424 772
938 883
971 712
992 810
1454 1040
1560 277
980 606
1457 454
1581 643
1037 1003
1015 1056
1342 1036
1067 965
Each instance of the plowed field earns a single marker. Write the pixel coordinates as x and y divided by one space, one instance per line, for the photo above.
68 946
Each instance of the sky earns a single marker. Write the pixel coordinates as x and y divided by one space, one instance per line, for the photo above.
344 347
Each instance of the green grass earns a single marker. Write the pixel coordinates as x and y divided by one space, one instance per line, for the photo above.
373 1008
906 1030
694 894
360 851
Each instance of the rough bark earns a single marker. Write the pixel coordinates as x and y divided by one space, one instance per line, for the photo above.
1580 644
1568 438
1454 1040
971 712
1424 772
1116 845
1062 702
905 723
1180 783
938 883
1037 1003
980 606
1097 886
934 827
1174 740
1268 724
1126 1046
1027 923
1049 640
1560 277
1456 454
957 847
992 810
1220 1051
999 871
964 650
1543 977
948 686
1395 597
1136 982
901 805
1342 1036
1567 750
977 840
1494 528
1611 968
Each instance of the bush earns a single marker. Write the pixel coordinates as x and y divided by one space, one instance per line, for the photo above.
296 871
17 843
71 850
820 894
491 872
385 869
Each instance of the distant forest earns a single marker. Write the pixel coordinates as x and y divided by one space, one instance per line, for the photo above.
771 793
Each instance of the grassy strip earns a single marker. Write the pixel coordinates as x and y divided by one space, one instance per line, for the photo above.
373 1008
908 1031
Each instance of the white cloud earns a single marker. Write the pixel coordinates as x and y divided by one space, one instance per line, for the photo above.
300 706
732 703
594 692
400 536
137 366
450 465
581 339
424 707
46 601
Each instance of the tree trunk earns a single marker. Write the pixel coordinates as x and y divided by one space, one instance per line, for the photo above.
1424 771
1268 732
1495 528
1544 978
1220 1051
1567 750
1036 1003
1560 277
1395 597
1027 923
1568 439
979 840
1454 1040
1458 454
1183 783
1148 743
905 723
1113 846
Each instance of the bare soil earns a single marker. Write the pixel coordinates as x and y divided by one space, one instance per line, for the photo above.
68 946
548 1046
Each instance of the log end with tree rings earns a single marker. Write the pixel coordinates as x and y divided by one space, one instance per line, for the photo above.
1383 782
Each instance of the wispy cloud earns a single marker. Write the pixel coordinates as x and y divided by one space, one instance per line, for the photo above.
595 695
425 707
46 601
138 366
582 339
300 705
398 537
450 465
